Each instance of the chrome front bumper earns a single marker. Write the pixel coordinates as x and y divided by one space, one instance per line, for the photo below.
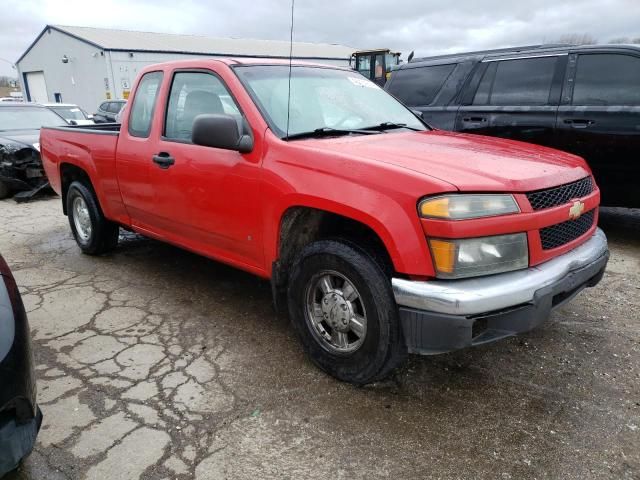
496 292
445 315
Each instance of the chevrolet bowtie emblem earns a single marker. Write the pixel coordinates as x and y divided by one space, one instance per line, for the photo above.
576 210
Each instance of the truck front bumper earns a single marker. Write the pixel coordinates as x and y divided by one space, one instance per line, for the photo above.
444 315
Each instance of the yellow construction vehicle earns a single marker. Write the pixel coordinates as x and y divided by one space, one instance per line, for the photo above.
375 64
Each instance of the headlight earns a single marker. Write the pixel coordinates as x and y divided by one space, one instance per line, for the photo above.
461 207
471 257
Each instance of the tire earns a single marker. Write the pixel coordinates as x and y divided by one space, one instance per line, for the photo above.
357 359
4 190
93 233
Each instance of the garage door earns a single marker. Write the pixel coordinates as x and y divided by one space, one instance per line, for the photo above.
37 87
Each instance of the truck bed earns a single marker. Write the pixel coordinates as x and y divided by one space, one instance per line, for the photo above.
89 147
106 128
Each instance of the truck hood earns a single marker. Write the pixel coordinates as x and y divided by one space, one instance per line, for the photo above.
468 162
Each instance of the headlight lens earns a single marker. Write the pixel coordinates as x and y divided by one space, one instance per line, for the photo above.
461 207
471 257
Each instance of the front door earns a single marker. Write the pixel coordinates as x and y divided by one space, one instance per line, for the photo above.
516 99
205 198
599 119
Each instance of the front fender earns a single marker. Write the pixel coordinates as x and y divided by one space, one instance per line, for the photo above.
402 237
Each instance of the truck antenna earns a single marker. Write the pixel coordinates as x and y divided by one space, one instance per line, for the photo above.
290 62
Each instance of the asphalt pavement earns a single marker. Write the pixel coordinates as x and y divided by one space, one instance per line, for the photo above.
156 363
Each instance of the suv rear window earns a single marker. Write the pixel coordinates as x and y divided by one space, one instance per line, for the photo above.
607 79
518 82
419 86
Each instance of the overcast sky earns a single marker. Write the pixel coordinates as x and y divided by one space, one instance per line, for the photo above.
426 26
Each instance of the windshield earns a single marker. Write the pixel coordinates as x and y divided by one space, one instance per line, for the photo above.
321 98
69 113
28 118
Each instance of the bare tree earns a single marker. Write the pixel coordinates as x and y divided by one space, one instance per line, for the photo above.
7 81
635 40
577 39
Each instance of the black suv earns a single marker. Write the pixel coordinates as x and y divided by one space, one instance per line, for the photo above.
581 99
107 111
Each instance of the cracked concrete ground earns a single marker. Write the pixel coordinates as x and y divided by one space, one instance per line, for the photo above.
156 363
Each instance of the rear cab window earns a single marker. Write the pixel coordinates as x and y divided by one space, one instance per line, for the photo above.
419 86
144 104
607 79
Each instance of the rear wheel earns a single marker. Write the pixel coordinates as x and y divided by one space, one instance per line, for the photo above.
94 234
342 307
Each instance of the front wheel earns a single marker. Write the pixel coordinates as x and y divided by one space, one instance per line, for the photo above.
94 234
342 307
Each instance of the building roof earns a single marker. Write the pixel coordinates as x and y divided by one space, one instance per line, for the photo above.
132 41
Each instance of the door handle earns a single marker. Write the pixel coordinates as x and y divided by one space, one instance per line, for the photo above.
579 122
164 160
474 119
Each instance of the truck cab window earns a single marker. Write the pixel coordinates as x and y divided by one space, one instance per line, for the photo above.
364 65
379 69
143 105
193 94
607 79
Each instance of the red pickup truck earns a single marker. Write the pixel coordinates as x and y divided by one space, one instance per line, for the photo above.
380 235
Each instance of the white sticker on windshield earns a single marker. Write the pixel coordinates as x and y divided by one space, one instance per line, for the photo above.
362 82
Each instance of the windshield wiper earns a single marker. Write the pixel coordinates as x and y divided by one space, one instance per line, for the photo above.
329 132
391 126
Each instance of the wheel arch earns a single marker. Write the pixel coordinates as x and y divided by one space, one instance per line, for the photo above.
70 173
301 225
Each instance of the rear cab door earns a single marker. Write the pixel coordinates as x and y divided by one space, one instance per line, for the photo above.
599 118
514 97
137 144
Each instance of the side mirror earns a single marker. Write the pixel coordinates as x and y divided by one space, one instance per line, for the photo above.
220 131
89 116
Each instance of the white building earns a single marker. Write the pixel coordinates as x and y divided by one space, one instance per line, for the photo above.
86 66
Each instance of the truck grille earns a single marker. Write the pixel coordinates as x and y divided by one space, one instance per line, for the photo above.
563 233
555 196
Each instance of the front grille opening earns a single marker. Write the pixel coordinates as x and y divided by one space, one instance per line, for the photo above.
552 197
565 232
479 327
